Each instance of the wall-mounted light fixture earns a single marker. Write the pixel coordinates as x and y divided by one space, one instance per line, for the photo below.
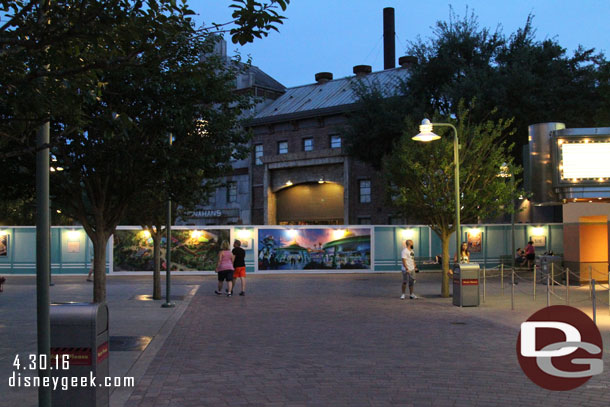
407 233
73 234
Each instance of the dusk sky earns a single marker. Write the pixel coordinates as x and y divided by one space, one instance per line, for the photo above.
335 35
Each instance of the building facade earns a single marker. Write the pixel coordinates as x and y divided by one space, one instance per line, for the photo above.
300 171
230 204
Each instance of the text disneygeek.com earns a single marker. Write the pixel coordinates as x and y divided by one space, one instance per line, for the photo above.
65 383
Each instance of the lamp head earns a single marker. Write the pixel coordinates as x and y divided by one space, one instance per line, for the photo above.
425 132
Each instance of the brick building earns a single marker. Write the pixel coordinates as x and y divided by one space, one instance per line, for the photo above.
300 172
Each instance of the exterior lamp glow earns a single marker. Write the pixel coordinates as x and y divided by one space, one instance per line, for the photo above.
426 134
244 234
474 232
288 183
73 235
538 231
407 233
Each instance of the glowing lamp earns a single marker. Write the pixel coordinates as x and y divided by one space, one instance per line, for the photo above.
407 233
73 234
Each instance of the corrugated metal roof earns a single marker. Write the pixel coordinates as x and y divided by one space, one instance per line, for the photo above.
338 92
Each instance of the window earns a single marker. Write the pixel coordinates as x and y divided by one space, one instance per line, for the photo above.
282 147
364 220
231 191
212 198
365 191
308 144
335 141
258 154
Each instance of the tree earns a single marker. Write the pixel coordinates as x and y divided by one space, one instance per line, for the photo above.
52 52
111 137
516 76
421 177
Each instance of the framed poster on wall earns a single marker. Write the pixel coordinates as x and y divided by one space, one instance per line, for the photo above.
474 242
3 245
314 248
539 241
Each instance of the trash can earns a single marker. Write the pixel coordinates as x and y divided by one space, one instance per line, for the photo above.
79 341
466 285
545 266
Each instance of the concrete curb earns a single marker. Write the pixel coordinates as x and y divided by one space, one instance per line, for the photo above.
119 396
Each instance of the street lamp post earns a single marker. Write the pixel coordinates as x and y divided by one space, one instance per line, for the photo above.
506 171
168 250
426 134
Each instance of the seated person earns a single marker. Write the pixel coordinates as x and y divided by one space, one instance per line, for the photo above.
520 259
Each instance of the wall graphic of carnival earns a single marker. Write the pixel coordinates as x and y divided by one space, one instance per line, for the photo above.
192 250
314 249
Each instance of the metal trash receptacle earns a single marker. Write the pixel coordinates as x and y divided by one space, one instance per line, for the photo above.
545 265
80 331
466 285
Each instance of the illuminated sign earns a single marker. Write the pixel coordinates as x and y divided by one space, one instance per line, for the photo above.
584 160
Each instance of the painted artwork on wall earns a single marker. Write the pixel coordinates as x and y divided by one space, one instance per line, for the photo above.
314 249
192 250
539 241
3 245
474 241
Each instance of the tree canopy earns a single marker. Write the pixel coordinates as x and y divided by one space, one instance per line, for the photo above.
421 176
115 78
515 76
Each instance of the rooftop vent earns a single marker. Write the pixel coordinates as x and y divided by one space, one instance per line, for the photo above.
323 77
361 70
407 61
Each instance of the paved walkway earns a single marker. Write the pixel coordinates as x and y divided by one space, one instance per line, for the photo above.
308 340
344 340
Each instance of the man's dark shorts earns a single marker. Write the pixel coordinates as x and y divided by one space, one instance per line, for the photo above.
225 275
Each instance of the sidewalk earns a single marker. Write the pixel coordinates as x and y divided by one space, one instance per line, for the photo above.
131 320
309 340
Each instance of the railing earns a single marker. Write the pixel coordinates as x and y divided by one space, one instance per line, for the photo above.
556 280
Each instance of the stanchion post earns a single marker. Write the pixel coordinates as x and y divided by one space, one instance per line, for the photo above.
484 286
548 290
534 282
567 286
512 290
552 274
590 282
502 277
593 302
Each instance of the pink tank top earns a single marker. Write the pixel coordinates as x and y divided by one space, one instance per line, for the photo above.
226 261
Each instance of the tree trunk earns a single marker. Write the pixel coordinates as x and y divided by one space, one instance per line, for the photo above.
446 262
99 267
157 265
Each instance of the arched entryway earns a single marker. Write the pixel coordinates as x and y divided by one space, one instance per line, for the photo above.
310 204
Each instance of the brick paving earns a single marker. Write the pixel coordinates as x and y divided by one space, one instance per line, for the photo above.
345 340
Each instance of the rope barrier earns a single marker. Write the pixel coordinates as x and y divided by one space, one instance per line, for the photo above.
557 295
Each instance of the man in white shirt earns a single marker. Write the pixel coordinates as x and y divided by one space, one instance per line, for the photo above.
408 269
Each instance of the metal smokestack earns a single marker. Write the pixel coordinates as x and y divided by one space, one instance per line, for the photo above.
389 45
